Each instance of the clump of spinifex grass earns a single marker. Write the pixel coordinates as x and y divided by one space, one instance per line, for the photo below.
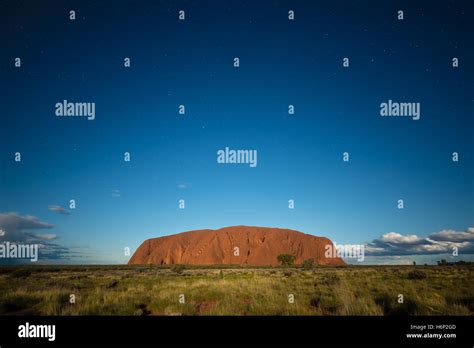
192 290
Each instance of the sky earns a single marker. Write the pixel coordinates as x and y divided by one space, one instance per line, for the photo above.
300 157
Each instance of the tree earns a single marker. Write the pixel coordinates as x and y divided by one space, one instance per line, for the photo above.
308 264
442 263
286 259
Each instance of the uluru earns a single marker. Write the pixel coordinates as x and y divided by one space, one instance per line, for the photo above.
236 245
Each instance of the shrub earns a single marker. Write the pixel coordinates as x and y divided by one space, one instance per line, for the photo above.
112 284
143 310
308 264
286 259
466 301
315 301
178 269
20 273
390 306
416 275
331 279
17 303
325 303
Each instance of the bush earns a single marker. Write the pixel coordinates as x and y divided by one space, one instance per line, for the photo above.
178 269
331 279
287 273
416 275
308 264
286 259
20 273
315 301
17 303
143 310
390 305
112 284
325 303
466 301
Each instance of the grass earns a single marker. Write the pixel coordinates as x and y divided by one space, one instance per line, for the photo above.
221 290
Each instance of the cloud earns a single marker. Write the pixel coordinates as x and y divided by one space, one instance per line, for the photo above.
15 227
23 229
436 243
115 193
397 238
453 236
46 236
53 252
184 186
59 209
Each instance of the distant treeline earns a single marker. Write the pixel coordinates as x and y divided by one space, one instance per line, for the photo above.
5 269
446 263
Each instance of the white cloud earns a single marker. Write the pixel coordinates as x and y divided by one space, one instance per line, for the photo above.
59 209
46 236
397 238
115 193
436 243
453 236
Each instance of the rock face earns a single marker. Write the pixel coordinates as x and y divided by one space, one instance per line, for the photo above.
257 246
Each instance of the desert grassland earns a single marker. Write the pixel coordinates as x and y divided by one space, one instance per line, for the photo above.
151 290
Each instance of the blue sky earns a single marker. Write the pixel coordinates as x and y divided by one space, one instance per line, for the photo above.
173 156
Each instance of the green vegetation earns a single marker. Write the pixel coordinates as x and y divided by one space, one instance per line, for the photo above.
416 274
286 259
235 290
307 264
178 268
